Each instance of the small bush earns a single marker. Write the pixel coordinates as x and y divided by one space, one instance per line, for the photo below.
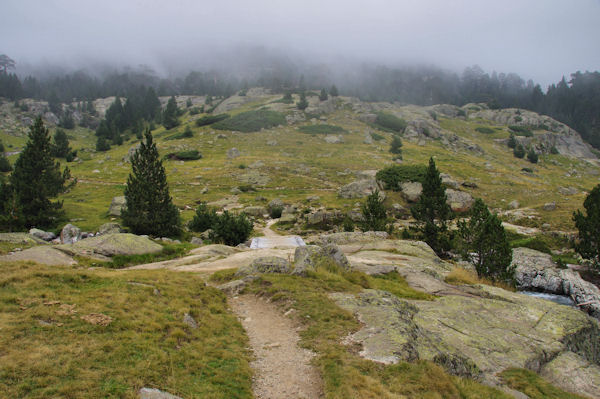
251 121
554 150
485 130
390 123
187 133
322 129
527 170
519 151
348 224
524 131
532 156
461 112
393 176
512 141
246 188
204 219
518 119
377 136
275 212
190 155
231 229
210 119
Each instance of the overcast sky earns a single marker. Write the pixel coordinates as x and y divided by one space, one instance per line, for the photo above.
539 39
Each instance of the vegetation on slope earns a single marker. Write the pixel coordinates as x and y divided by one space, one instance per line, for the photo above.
251 121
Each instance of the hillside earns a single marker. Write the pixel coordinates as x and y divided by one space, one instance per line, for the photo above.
350 314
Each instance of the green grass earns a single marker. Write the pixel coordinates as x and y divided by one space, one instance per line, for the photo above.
48 351
534 386
251 121
322 129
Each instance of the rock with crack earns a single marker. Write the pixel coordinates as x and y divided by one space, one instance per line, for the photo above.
475 336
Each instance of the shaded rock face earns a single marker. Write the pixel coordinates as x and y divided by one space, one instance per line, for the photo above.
360 189
116 206
265 264
536 271
470 335
104 246
70 234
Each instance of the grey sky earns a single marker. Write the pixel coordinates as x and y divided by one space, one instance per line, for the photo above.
539 39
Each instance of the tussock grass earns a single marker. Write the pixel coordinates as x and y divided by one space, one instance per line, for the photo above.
534 386
459 276
48 351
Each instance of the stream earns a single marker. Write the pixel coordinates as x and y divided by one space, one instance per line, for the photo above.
560 299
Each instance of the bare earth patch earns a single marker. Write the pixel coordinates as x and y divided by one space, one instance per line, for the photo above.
283 370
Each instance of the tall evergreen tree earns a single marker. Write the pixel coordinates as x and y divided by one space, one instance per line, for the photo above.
170 114
323 96
60 146
484 236
4 163
588 242
302 104
333 91
396 145
36 178
374 214
432 211
150 209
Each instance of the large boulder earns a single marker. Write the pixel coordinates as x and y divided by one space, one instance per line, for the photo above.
459 201
537 271
43 254
477 334
105 246
308 257
109 228
360 189
70 234
116 206
411 191
42 235
20 238
256 211
265 264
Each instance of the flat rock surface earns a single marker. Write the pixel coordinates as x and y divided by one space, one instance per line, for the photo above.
44 254
110 245
472 335
277 242
283 370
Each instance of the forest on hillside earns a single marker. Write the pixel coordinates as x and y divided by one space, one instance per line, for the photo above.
574 101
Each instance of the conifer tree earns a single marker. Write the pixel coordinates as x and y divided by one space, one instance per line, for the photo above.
519 151
170 115
36 178
432 211
588 242
4 163
323 96
512 141
302 104
532 156
396 145
333 91
60 146
374 214
150 209
484 237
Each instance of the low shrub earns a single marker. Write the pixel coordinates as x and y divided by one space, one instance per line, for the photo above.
204 219
393 176
231 229
190 155
251 121
485 130
275 212
210 119
390 123
524 131
322 129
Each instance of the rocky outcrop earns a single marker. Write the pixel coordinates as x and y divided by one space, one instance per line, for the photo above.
459 201
334 139
43 254
462 332
70 234
109 228
265 264
360 189
536 271
42 235
411 191
104 246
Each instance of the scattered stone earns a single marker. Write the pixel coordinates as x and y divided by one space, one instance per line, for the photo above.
469 184
549 206
449 181
360 189
116 206
275 203
568 190
514 204
233 153
130 153
189 320
70 234
152 393
334 139
97 319
256 211
196 241
42 235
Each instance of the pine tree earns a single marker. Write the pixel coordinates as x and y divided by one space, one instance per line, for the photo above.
432 211
484 236
588 242
374 214
532 156
512 141
4 163
170 115
323 96
396 145
519 151
302 104
36 178
149 209
333 91
60 146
